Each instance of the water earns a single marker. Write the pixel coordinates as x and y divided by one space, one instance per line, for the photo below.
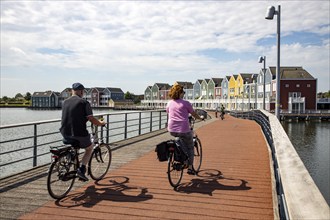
311 141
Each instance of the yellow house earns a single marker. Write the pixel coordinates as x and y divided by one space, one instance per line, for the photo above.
232 86
239 88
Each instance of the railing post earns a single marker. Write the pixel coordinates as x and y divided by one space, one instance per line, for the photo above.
160 120
35 146
125 134
139 123
107 128
150 121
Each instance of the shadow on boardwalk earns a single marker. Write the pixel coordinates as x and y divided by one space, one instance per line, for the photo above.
211 180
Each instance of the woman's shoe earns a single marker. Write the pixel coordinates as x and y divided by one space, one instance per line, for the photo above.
191 172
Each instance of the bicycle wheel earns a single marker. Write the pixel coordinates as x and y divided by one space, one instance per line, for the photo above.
174 171
197 154
61 176
100 161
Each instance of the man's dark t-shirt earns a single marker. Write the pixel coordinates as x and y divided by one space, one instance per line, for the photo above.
74 117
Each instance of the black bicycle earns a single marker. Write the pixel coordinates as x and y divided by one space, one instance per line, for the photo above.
65 162
178 158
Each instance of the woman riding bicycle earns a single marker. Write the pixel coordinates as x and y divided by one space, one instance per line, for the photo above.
178 123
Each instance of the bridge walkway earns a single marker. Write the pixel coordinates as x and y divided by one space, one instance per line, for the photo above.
235 182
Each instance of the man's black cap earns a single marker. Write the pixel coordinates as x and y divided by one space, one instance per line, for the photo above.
77 86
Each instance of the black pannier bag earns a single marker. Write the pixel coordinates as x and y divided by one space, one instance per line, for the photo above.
162 151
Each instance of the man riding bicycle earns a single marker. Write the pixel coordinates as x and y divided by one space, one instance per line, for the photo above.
76 111
178 121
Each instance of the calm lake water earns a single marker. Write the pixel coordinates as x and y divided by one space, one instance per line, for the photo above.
310 139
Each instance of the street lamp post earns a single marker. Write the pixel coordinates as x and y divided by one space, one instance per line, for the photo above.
269 15
263 59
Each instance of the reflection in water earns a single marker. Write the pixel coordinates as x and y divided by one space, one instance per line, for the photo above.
311 141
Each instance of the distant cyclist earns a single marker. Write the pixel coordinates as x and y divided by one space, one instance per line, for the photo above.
222 112
76 111
178 121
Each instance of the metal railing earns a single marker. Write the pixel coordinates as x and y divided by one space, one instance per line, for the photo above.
25 146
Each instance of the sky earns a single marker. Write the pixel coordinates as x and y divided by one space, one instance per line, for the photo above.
49 45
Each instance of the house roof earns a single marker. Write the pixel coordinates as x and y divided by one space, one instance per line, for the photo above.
111 89
247 77
163 86
186 85
294 72
199 81
99 89
207 80
42 94
217 81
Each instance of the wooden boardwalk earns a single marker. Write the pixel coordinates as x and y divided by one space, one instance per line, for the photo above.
235 182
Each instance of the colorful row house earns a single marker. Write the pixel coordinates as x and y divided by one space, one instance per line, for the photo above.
97 96
246 91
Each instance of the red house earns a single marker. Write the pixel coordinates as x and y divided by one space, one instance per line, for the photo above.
298 89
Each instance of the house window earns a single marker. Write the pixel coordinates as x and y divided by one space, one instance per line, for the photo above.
298 85
308 85
286 85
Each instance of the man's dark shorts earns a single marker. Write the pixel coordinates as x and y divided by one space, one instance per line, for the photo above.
84 141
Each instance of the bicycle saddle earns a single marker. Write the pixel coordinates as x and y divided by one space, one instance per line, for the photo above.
72 142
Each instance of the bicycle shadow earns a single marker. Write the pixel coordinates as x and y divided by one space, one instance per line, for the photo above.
113 188
207 181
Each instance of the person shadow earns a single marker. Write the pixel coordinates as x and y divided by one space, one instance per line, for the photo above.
115 189
209 180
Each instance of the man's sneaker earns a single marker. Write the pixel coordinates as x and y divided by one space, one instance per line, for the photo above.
81 175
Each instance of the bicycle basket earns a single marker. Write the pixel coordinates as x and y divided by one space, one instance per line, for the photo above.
162 151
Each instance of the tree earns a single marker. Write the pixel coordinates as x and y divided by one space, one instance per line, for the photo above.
327 94
5 99
18 96
27 96
129 95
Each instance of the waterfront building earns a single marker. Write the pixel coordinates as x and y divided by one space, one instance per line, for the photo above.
270 86
48 99
110 93
225 87
298 89
188 87
246 82
245 91
232 87
148 93
197 89
66 93
95 96
211 87
204 89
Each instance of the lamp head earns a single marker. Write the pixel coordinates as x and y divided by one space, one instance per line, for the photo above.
261 59
270 13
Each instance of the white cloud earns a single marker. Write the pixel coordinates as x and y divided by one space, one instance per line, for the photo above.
156 40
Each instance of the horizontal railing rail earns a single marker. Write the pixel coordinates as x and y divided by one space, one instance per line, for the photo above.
26 145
